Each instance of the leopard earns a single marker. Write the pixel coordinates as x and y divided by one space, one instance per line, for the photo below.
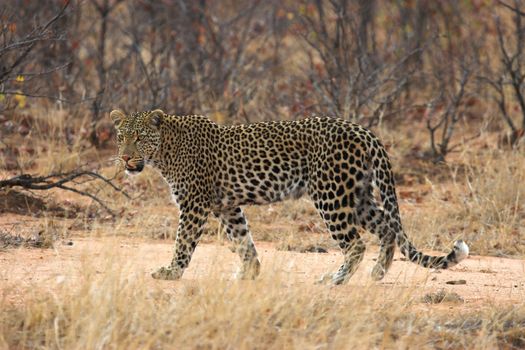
216 169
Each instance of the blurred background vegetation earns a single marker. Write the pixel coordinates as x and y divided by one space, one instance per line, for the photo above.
452 67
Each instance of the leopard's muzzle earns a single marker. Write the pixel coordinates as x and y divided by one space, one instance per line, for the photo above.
134 167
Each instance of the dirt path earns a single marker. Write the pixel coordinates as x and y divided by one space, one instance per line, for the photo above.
488 280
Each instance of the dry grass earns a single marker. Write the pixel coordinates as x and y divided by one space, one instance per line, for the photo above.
482 203
120 308
493 203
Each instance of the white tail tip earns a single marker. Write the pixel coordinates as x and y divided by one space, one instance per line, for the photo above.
461 249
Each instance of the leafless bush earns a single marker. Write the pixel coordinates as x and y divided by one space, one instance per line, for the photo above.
185 57
507 79
353 75
445 112
453 62
30 40
233 60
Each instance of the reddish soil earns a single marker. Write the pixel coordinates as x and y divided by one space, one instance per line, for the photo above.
487 279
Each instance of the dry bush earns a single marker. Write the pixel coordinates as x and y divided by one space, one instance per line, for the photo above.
119 308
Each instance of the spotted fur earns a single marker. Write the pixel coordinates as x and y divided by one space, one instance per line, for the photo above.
217 169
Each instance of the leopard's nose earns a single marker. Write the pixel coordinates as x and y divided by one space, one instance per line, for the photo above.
125 158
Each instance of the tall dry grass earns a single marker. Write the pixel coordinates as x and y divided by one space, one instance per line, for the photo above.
493 202
111 305
476 196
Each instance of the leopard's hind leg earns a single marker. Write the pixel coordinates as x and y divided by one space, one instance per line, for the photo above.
339 217
236 228
374 219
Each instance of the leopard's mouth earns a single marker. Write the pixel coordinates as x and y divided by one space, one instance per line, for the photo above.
135 168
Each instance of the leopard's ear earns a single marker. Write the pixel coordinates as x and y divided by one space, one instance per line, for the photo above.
156 117
117 116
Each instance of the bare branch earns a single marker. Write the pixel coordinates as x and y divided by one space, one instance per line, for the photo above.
513 9
36 36
60 180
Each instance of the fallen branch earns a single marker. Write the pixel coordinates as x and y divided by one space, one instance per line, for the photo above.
62 181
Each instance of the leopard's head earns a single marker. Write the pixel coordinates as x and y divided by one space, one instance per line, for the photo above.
138 137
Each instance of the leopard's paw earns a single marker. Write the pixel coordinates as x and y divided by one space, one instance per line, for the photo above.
378 272
167 273
249 271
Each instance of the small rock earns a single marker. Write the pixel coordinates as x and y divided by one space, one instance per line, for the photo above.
456 282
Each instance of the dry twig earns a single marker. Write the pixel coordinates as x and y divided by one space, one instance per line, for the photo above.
62 181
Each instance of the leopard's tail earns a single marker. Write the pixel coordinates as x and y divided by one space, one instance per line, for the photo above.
382 170
459 252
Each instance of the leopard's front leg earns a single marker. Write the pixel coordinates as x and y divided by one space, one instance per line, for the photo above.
191 224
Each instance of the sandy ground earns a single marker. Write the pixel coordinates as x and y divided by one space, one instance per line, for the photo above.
488 279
